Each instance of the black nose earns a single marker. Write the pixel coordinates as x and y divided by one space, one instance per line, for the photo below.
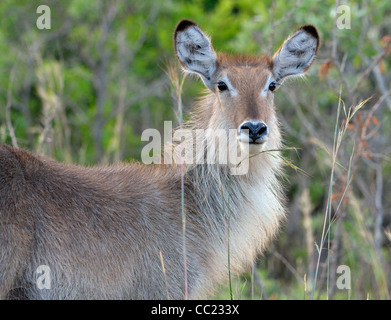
257 130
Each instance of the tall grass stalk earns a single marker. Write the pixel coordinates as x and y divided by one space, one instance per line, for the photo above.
177 85
228 240
339 134
164 273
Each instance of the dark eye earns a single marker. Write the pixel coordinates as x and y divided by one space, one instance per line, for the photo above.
272 86
222 86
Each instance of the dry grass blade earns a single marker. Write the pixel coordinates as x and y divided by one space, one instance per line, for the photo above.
339 134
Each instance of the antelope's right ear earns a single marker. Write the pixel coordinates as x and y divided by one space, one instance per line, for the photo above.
297 53
194 50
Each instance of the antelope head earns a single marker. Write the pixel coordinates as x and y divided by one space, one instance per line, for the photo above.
244 86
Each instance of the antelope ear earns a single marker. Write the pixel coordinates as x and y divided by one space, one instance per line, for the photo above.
194 50
297 53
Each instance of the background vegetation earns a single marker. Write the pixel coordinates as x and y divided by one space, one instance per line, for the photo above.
84 91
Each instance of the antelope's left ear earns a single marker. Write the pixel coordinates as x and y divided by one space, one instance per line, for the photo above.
195 51
297 53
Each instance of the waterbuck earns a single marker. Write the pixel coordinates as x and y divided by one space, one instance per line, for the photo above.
136 231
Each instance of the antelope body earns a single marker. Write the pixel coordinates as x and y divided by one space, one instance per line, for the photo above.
107 232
